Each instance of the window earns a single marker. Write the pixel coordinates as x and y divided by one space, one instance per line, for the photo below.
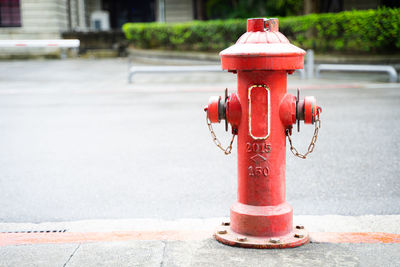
10 14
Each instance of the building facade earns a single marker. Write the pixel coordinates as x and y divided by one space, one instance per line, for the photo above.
47 19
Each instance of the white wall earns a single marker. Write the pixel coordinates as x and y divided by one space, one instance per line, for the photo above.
40 19
176 10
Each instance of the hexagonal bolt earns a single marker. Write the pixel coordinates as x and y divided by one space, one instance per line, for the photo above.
222 232
275 240
225 223
299 227
241 238
298 236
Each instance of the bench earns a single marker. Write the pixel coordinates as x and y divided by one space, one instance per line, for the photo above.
393 77
59 43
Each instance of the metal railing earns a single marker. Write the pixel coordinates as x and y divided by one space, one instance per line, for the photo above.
152 69
306 73
393 76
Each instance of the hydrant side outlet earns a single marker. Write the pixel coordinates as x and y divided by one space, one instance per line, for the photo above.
261 113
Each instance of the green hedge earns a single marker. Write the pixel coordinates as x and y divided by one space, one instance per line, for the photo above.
375 31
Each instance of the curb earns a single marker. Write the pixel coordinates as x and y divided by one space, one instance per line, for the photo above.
214 57
174 55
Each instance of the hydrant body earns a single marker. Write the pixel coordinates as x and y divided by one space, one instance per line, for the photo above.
261 113
261 209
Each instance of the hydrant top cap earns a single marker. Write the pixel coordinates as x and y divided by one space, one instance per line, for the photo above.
262 47
262 24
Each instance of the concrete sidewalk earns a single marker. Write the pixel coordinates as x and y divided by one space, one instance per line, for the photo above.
335 241
206 252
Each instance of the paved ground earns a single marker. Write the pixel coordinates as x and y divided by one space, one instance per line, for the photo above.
78 142
197 253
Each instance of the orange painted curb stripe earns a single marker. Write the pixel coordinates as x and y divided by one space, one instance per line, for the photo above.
360 237
8 239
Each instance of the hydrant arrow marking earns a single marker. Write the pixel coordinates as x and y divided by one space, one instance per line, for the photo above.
258 159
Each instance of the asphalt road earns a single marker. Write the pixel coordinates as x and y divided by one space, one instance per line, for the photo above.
78 142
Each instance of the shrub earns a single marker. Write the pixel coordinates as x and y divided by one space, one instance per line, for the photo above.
355 31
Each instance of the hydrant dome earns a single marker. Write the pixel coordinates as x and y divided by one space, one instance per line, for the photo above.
262 47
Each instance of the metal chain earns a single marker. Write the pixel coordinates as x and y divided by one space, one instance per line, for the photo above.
313 140
227 150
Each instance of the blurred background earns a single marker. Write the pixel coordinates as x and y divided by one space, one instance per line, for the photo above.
326 26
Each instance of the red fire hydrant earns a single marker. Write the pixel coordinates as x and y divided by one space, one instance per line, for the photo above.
262 114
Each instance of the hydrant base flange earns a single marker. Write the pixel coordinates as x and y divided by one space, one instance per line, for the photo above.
297 237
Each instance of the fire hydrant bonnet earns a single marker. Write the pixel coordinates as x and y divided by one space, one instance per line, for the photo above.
262 47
